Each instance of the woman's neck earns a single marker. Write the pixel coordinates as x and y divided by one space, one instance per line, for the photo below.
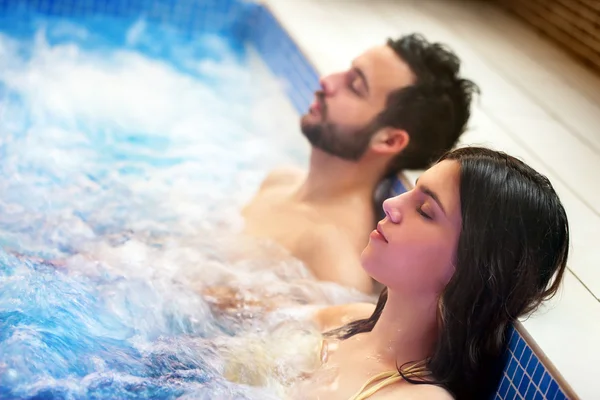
406 330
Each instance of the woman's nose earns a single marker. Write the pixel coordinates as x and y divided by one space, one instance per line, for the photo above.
392 210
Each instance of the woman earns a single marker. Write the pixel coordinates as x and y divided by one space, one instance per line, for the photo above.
471 248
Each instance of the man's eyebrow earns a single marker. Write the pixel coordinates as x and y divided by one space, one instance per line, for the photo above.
431 194
362 76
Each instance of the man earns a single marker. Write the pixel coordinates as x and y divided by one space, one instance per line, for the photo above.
399 106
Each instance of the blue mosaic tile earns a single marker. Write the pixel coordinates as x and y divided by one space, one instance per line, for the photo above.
539 371
544 383
531 390
560 396
526 374
512 393
526 357
513 338
525 381
187 15
552 390
518 376
503 389
519 349
284 58
532 365
512 367
397 188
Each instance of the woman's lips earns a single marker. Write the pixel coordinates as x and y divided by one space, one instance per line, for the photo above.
378 234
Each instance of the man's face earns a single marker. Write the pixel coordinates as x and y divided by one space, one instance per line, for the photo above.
341 121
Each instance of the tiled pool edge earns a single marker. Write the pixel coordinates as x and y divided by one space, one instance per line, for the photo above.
528 374
283 56
549 367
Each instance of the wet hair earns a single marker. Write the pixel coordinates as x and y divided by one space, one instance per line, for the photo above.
514 240
434 110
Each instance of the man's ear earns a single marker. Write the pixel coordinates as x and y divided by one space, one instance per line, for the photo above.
390 141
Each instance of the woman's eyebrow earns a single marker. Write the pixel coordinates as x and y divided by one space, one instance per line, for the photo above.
431 194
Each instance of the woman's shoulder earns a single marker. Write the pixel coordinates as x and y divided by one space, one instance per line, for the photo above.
333 317
415 392
432 392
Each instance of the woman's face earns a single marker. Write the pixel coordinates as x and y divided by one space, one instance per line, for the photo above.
413 248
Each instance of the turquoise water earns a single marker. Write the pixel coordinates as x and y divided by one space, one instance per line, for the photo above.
126 151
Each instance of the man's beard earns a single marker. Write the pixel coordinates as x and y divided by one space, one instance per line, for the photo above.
347 143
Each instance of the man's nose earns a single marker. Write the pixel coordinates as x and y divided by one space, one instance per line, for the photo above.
328 84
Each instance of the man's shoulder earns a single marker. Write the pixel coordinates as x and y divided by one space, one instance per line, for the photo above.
326 234
331 256
283 176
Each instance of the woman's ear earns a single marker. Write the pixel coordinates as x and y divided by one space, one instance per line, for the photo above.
390 141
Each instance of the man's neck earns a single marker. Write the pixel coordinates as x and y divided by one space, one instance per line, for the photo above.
331 177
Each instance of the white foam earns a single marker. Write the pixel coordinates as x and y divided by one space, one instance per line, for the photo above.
162 216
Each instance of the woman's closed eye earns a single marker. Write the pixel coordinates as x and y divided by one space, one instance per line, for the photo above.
424 214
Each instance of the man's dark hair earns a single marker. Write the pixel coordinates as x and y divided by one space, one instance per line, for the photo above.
434 110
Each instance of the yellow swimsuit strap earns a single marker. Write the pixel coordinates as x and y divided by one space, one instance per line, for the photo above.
382 380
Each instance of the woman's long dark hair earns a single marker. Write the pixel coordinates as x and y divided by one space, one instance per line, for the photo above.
514 240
